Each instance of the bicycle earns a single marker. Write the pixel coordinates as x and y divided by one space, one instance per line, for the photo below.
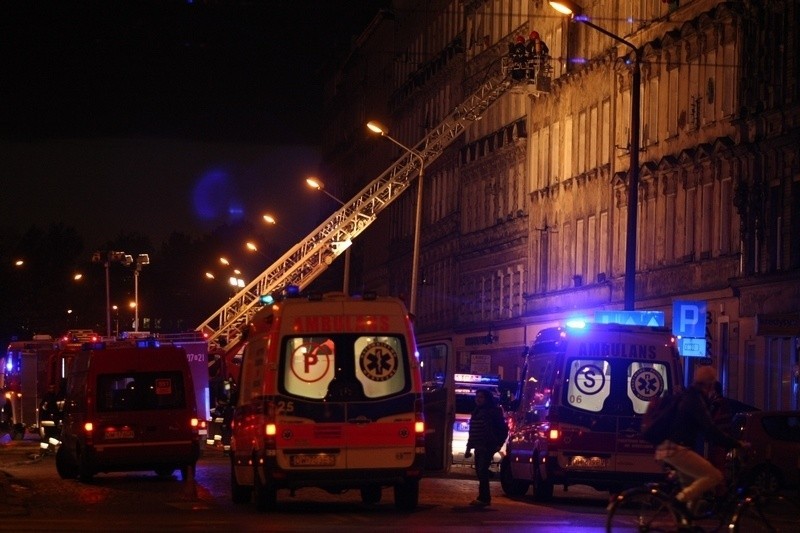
653 507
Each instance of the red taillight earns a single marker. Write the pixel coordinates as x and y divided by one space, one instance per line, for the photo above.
419 426
88 427
195 423
270 430
553 434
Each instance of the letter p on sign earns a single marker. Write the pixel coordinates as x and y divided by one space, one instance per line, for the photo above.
689 318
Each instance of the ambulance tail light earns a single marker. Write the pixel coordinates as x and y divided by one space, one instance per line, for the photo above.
553 434
419 427
194 423
88 430
270 425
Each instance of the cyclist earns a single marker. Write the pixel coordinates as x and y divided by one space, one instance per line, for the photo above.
697 475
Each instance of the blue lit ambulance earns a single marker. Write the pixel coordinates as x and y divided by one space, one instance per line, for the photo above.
584 391
329 396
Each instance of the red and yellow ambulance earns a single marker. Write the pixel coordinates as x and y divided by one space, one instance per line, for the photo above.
329 396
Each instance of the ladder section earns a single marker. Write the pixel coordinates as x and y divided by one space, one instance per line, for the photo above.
310 257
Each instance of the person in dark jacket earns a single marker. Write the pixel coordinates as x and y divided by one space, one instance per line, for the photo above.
483 440
697 475
518 55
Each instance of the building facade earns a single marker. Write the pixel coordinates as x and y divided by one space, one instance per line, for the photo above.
525 216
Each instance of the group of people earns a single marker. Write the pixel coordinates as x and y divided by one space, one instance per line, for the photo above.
702 415
527 57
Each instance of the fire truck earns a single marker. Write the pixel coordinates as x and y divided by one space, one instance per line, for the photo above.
32 380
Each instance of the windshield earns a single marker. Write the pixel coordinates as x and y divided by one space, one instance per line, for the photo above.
140 391
538 386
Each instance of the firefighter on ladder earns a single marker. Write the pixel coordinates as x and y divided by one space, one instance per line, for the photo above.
537 53
518 56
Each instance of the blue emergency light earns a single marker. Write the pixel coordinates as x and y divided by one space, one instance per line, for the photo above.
291 291
86 346
147 343
576 323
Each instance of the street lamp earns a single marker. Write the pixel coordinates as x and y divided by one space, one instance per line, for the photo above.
568 7
253 248
120 257
272 221
377 127
317 184
235 281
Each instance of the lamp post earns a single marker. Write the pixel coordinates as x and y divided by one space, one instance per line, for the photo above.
317 184
568 7
141 260
377 127
120 257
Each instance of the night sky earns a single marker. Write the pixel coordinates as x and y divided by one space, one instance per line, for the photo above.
161 116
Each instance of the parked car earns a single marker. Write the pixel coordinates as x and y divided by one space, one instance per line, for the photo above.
772 461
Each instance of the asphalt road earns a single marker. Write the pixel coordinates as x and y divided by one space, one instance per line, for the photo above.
34 498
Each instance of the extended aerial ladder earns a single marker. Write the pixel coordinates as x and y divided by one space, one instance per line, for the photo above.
310 257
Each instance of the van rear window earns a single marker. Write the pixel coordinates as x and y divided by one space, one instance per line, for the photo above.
140 391
615 385
344 367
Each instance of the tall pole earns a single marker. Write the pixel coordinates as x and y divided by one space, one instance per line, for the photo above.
136 299
633 185
317 184
108 296
346 281
412 306
569 7
415 254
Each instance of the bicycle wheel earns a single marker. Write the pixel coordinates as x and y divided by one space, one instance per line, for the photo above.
766 512
644 509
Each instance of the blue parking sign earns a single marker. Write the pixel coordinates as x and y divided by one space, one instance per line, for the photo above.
689 318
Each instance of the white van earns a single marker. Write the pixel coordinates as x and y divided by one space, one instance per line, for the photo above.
330 396
584 392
